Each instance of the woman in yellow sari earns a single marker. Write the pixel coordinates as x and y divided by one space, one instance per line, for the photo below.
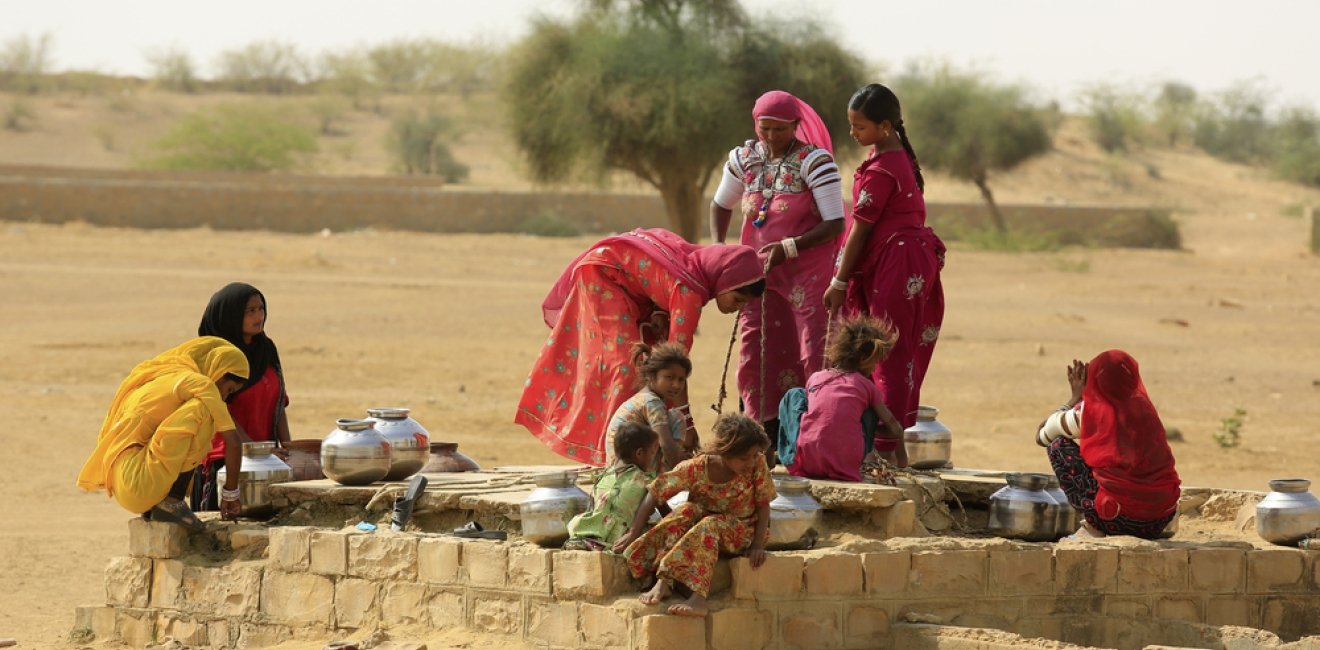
160 425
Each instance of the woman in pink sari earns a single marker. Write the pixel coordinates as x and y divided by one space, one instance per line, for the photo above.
787 190
891 262
649 282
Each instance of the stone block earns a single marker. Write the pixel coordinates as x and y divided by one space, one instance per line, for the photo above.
137 627
403 603
252 540
166 581
183 629
1216 570
603 625
664 632
99 620
1022 572
843 495
297 598
356 603
230 590
948 573
864 625
401 645
898 520
218 633
262 635
886 573
810 626
1158 571
486 564
128 581
492 613
833 574
586 575
447 609
553 623
530 568
329 553
1085 570
741 628
1128 606
290 547
1274 570
439 561
1290 616
383 556
1179 608
1230 610
156 539
778 579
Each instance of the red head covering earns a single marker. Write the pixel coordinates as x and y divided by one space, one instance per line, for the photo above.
782 106
706 270
1122 440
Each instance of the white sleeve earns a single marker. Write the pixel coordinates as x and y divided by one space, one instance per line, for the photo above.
822 176
731 188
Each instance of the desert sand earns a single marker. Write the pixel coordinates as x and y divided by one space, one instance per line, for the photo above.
449 326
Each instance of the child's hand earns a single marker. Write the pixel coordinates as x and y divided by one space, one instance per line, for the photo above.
756 555
622 545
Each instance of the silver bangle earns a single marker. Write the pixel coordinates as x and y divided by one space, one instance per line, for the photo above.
838 285
789 245
230 495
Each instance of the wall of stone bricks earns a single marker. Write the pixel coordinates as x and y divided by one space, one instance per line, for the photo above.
292 203
314 583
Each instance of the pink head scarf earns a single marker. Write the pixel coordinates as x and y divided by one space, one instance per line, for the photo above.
783 106
706 270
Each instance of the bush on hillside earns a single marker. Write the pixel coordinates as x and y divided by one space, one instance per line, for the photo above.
273 67
1235 127
1174 111
173 69
420 142
24 62
1297 143
1115 117
235 138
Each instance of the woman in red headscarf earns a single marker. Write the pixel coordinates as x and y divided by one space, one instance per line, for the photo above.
786 187
643 282
1108 448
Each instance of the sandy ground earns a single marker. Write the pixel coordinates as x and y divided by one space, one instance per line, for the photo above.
449 326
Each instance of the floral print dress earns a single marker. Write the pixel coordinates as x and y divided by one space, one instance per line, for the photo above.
618 494
717 518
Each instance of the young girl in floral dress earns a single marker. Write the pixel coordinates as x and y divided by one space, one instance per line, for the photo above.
619 490
727 511
831 442
662 372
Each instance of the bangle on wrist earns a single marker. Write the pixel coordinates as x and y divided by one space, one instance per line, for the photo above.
789 245
229 495
838 285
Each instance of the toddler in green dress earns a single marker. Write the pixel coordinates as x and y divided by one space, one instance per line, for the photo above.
619 490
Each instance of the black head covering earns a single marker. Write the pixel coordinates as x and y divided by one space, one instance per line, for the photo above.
224 318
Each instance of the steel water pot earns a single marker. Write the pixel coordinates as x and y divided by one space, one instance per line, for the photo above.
1023 509
1067 519
1289 513
355 453
928 442
795 515
260 469
410 441
305 459
445 457
545 512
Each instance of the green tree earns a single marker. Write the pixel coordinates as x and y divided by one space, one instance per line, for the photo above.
24 63
420 142
1236 127
1114 115
1175 111
661 90
235 137
1297 145
272 66
173 68
968 127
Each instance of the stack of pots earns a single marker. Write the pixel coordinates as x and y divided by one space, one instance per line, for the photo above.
355 453
410 443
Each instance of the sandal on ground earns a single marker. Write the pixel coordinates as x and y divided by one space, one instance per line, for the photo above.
175 511
473 530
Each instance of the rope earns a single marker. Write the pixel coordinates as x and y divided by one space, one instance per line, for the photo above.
886 474
718 407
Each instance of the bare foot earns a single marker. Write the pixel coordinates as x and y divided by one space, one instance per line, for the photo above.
658 593
1085 532
694 606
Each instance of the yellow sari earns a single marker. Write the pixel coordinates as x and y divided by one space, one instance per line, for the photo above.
161 422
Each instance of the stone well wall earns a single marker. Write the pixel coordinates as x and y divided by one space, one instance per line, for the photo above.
319 583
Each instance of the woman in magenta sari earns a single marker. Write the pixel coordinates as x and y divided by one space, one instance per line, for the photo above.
650 282
787 190
891 261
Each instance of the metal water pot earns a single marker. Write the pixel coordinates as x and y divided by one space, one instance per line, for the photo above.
1068 518
795 515
1289 513
929 443
355 453
1024 510
410 441
260 469
445 457
546 511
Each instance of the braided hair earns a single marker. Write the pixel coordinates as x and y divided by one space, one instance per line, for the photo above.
880 104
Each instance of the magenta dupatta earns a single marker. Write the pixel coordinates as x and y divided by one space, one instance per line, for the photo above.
707 270
783 106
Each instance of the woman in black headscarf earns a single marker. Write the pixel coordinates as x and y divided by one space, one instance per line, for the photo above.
237 313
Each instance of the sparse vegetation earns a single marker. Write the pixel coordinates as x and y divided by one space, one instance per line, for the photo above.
235 137
1115 117
548 223
25 62
173 69
1229 434
420 142
19 115
272 67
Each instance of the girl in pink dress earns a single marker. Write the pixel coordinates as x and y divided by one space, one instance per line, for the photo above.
640 280
786 187
891 261
831 443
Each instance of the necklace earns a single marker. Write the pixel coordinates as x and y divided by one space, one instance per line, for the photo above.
768 192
